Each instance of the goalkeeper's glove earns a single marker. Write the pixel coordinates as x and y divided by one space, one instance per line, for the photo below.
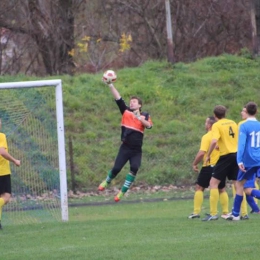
107 83
137 115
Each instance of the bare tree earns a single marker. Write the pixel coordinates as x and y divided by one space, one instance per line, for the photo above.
200 28
143 19
48 27
254 27
43 35
257 21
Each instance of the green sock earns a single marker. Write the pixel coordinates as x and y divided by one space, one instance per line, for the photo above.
128 181
110 177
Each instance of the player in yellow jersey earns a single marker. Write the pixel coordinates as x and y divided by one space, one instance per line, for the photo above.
206 172
225 134
5 172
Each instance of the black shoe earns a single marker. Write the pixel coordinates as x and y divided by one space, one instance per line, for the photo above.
257 212
209 218
1 226
191 216
244 217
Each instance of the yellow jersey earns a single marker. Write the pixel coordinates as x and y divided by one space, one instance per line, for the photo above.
204 146
4 164
225 131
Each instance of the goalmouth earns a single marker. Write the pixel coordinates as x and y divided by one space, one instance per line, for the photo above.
32 119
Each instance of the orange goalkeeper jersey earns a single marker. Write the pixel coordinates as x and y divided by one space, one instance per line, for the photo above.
132 130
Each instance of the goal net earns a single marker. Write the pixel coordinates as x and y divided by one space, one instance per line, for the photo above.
32 119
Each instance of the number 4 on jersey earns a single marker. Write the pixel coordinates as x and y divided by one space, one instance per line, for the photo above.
231 133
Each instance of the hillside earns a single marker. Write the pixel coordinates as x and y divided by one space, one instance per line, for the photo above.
178 97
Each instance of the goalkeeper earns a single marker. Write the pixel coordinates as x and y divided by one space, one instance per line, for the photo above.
5 172
133 124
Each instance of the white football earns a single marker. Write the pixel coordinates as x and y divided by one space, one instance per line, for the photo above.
109 76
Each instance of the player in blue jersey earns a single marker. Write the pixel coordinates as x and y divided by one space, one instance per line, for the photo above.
248 158
248 184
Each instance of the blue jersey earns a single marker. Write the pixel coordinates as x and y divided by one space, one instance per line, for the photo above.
249 143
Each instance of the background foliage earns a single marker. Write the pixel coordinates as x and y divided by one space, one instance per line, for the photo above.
41 37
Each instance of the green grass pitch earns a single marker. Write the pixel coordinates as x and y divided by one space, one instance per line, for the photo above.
140 231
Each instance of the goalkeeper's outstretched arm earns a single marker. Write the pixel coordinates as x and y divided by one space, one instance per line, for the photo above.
114 91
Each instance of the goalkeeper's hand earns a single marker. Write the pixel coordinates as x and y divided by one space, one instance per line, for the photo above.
107 83
137 114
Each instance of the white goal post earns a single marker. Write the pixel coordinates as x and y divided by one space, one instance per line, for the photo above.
61 156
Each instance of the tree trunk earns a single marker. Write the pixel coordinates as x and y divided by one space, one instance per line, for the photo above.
254 27
257 18
170 54
54 37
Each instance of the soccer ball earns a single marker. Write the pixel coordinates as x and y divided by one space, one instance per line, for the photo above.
109 77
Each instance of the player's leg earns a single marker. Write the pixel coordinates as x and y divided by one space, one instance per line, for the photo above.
250 200
242 177
223 198
238 200
135 163
121 159
213 200
214 196
253 192
5 191
243 209
233 189
244 212
197 201
2 203
201 183
256 182
225 166
237 178
257 187
220 173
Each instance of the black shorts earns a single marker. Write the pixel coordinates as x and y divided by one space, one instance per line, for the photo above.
5 184
226 167
205 175
125 154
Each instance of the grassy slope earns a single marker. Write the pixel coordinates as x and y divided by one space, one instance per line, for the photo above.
178 97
